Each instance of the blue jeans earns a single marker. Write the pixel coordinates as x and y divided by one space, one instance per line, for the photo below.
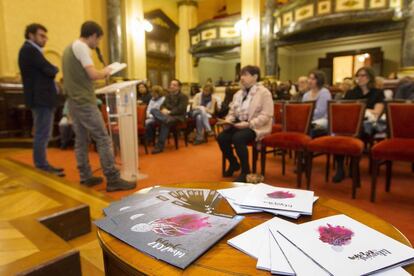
166 122
202 122
42 123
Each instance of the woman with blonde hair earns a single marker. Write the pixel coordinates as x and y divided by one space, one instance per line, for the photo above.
204 105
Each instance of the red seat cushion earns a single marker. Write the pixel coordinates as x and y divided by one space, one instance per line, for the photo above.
277 128
286 140
401 149
342 145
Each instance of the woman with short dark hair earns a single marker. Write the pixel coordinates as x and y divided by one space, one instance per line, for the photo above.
249 118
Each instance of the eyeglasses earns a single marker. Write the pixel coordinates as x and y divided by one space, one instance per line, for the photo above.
360 75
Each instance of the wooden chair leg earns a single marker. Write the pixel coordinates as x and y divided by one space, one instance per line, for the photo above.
412 167
263 160
283 162
328 164
186 132
309 160
388 170
355 164
375 168
254 159
299 167
223 165
145 145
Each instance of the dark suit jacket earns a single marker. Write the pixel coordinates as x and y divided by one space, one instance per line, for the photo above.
177 105
38 77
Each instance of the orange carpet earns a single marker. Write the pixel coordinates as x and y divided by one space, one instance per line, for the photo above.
203 163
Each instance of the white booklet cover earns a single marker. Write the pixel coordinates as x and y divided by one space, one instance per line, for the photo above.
343 246
267 196
116 67
250 241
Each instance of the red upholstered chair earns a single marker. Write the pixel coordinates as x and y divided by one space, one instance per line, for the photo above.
344 124
277 117
297 117
141 117
399 146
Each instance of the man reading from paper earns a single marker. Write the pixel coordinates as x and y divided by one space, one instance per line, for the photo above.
79 73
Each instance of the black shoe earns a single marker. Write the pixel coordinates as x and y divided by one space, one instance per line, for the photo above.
241 178
56 169
233 168
156 150
119 185
55 172
339 176
92 181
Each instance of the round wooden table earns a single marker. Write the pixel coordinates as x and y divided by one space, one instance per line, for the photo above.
222 259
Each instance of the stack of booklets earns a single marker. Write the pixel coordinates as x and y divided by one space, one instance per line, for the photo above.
336 245
266 198
173 225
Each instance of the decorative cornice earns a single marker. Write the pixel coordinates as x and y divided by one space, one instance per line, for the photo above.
187 3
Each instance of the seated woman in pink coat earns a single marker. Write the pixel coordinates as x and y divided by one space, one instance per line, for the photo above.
249 118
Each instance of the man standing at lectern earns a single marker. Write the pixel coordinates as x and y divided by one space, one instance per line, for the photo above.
40 92
79 73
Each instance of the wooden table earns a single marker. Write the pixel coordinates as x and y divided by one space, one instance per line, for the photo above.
222 259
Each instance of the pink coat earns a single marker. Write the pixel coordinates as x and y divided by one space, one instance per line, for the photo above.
260 110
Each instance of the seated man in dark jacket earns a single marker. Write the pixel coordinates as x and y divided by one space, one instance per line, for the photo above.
172 111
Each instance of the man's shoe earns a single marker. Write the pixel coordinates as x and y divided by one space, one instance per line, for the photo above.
119 185
241 178
92 181
233 168
57 169
156 150
57 173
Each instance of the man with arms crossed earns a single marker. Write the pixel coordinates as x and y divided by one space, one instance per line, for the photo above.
79 73
39 92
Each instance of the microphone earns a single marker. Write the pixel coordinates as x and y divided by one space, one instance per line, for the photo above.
100 57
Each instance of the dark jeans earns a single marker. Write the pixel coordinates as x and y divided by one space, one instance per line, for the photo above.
239 138
166 122
42 123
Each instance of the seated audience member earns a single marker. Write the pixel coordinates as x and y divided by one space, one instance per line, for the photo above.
225 105
321 95
365 89
346 85
302 89
172 111
156 101
203 109
144 94
220 82
379 83
405 90
194 90
249 118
